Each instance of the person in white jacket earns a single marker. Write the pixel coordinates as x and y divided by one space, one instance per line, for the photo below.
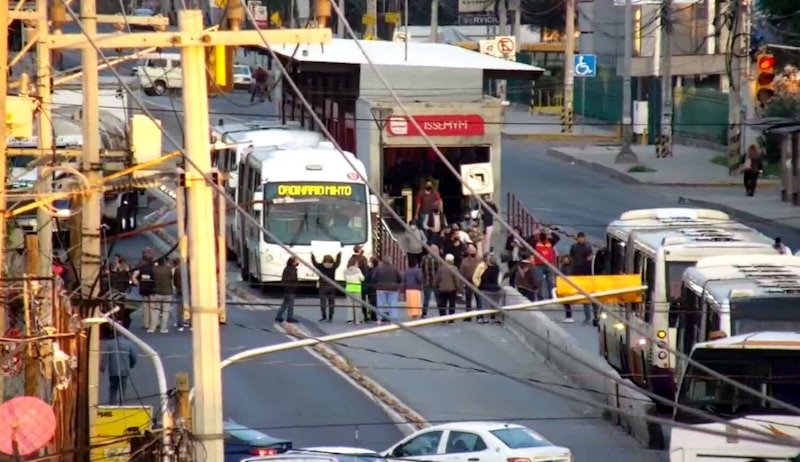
353 279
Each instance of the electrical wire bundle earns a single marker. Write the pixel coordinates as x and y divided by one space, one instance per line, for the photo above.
746 432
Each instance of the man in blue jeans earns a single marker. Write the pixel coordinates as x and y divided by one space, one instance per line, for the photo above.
429 267
387 290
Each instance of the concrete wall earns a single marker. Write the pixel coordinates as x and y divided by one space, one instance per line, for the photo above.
367 135
423 83
626 405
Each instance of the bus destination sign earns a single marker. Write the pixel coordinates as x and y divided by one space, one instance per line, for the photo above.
317 190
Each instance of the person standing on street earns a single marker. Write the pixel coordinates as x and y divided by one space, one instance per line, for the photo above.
429 267
425 202
177 298
752 166
581 257
447 287
412 286
372 296
511 256
524 276
413 241
388 282
545 248
161 299
118 358
487 216
434 223
363 265
490 286
261 76
468 266
327 292
289 282
142 277
354 280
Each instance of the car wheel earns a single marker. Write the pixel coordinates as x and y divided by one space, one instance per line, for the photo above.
160 87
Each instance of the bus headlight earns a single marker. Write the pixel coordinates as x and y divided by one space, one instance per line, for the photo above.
642 341
662 355
619 326
603 316
662 334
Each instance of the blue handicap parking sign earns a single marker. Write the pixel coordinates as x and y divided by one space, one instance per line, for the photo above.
585 65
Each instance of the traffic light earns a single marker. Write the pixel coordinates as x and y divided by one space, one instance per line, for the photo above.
765 77
219 69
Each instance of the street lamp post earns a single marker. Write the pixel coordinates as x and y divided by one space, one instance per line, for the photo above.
381 116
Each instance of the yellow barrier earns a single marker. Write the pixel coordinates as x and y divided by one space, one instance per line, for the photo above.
114 427
592 284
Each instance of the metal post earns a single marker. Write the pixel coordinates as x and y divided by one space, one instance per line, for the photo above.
405 28
204 301
434 21
748 108
340 21
183 243
44 223
518 21
503 29
583 105
626 154
735 95
664 146
222 251
91 248
3 162
372 10
567 111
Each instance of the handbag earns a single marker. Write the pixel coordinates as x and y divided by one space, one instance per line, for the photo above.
506 256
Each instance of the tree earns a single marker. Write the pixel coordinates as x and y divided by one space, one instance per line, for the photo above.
782 17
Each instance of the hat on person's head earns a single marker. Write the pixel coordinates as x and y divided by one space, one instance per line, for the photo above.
449 258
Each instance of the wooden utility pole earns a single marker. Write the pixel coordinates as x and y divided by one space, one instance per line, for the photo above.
503 29
735 102
44 222
664 142
568 110
3 163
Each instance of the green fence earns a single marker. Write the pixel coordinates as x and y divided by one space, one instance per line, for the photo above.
602 99
701 114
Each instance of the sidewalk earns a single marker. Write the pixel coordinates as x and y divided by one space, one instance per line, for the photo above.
764 207
689 166
522 125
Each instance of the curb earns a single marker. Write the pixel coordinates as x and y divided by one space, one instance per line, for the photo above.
406 415
626 178
562 137
738 213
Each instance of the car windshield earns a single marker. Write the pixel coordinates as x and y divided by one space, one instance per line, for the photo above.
305 212
520 438
241 70
774 372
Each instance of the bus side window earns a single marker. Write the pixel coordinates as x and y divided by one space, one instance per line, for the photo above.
616 251
687 320
649 278
637 268
712 320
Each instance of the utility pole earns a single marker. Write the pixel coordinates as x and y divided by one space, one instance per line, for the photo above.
518 21
372 26
626 154
44 223
434 21
664 142
568 110
3 163
748 108
503 29
202 261
91 249
735 102
340 21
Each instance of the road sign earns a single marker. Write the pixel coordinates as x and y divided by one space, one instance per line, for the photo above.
585 66
506 45
478 177
259 12
474 6
489 47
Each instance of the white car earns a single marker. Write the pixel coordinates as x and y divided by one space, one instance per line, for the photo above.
322 454
478 442
242 76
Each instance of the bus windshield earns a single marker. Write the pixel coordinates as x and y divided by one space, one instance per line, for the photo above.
759 314
675 270
305 212
774 372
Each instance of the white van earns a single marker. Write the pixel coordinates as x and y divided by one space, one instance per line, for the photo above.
159 73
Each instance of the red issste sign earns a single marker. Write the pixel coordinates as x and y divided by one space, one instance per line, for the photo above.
437 125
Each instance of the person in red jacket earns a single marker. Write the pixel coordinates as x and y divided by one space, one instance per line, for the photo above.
546 251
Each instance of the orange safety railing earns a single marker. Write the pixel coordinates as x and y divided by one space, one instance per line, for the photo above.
392 249
519 216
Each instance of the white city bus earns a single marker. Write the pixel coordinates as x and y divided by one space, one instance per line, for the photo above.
619 230
312 199
765 361
736 295
661 257
233 142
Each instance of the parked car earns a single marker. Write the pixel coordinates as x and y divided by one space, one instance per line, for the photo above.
341 453
242 76
243 443
477 442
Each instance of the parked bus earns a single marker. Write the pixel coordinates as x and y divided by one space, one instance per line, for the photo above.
619 230
763 361
308 199
661 257
735 295
233 142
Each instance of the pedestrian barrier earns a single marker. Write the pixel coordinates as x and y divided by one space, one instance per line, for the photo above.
519 216
392 249
586 371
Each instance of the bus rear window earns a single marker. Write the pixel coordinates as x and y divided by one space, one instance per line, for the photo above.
520 438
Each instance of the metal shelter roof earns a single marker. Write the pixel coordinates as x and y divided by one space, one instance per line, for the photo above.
384 53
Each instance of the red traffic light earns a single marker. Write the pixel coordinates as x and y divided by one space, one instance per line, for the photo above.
766 62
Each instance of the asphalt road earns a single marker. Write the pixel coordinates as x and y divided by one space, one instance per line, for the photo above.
559 193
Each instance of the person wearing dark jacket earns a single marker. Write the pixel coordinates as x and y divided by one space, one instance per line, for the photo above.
511 255
752 166
581 257
369 284
388 283
289 282
524 275
490 286
327 292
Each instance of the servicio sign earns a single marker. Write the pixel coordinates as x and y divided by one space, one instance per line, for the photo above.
437 125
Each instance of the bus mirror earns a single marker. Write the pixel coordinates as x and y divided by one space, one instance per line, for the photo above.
374 205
